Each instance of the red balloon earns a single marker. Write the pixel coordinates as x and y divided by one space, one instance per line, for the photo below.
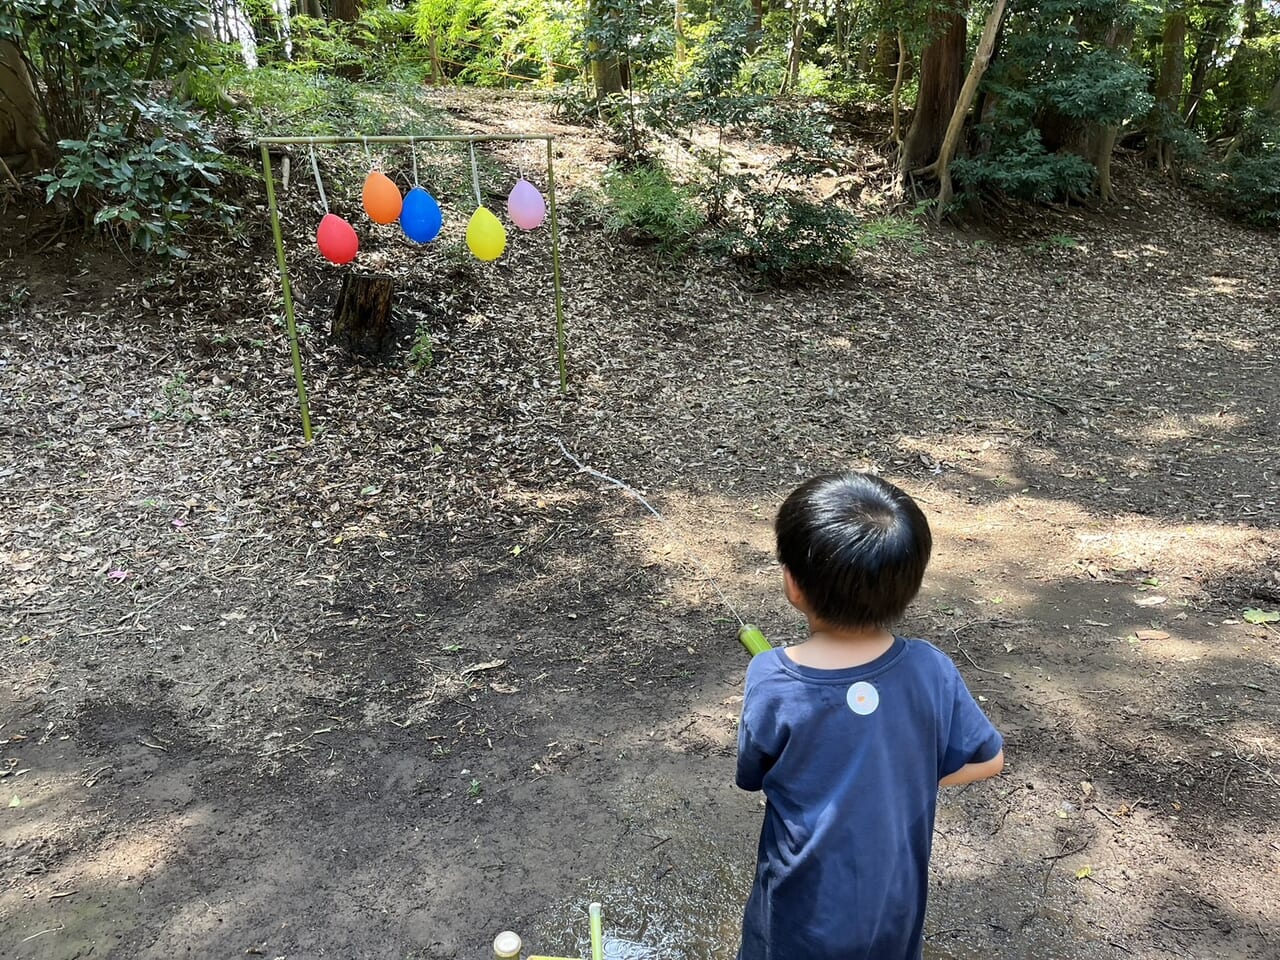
337 240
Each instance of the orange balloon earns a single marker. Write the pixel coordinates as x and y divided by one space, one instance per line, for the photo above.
382 200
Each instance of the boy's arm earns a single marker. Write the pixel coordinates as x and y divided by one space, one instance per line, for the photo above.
973 772
753 760
973 749
757 734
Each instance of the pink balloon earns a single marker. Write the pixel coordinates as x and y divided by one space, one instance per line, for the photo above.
525 206
337 240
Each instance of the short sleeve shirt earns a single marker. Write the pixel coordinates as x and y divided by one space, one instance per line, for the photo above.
849 762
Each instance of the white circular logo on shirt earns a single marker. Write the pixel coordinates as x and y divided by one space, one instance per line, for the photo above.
863 698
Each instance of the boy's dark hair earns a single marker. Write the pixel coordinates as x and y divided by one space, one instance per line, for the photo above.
857 547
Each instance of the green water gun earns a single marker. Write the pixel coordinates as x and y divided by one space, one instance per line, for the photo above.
753 639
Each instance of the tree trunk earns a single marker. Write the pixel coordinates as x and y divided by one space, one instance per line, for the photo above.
21 142
681 51
799 14
941 76
348 10
1100 141
1234 91
433 52
886 69
842 39
1273 102
897 89
1173 57
606 65
1207 45
362 317
756 32
981 60
607 75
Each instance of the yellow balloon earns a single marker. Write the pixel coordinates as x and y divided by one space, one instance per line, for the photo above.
485 235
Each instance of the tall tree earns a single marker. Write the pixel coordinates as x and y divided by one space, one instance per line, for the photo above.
942 68
795 45
1099 142
1208 41
604 46
1237 79
755 34
22 143
951 140
348 10
1168 92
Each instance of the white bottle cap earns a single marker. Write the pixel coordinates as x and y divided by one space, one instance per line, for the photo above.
507 946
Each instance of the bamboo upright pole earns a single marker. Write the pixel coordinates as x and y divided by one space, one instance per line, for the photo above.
288 294
595 912
555 264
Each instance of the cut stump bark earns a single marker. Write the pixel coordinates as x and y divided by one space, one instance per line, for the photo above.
362 322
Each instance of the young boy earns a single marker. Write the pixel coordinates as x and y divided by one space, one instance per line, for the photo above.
851 733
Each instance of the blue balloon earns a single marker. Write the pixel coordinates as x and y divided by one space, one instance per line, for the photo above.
420 217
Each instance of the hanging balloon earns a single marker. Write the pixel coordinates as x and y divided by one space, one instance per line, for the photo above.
336 239
485 235
526 206
381 198
420 217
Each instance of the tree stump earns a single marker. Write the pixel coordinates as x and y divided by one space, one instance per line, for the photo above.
362 318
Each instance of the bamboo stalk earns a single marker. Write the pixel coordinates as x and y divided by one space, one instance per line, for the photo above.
555 265
440 138
594 911
288 294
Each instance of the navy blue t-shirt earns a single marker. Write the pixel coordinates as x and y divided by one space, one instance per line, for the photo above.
849 761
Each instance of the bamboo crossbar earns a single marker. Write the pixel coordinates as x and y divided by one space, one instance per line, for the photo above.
425 138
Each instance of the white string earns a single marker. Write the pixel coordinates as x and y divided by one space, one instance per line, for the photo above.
583 468
315 168
413 155
475 175
368 157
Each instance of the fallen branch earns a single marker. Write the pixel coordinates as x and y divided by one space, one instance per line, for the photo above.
9 173
1058 403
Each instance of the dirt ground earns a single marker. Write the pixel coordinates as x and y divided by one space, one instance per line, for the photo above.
421 681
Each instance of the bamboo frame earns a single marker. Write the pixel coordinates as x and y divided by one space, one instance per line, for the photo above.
266 142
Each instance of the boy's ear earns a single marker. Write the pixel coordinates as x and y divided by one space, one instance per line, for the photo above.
795 596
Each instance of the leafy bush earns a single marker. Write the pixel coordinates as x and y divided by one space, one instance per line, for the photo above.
645 204
1023 168
149 189
786 237
1054 84
885 230
129 155
1248 181
494 41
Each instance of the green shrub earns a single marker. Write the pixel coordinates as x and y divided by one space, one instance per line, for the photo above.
1248 182
130 157
1054 81
151 190
496 40
785 237
1023 168
885 230
645 204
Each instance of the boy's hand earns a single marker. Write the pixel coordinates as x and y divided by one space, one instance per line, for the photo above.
973 772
